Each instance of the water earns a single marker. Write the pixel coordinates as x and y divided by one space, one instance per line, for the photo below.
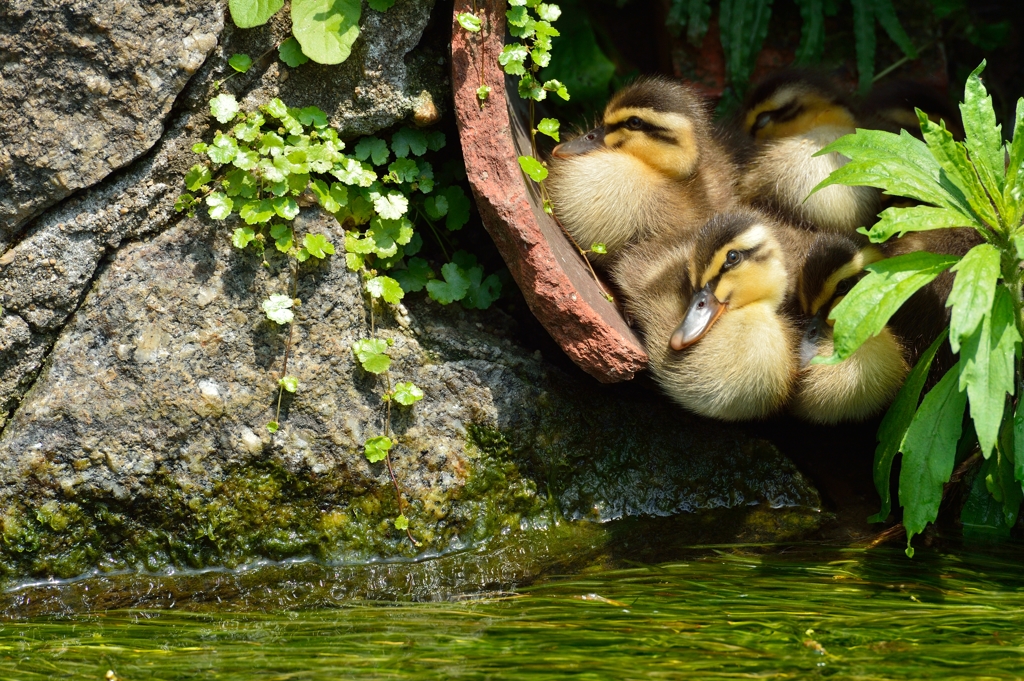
847 614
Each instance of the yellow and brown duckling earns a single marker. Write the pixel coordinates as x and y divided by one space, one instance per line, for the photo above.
712 311
866 382
652 168
786 119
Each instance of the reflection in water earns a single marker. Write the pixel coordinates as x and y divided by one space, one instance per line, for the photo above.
847 614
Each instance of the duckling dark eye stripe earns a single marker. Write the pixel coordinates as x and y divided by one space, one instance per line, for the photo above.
644 127
787 113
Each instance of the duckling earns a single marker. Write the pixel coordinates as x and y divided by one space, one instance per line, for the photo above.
866 382
891 107
788 118
713 313
652 167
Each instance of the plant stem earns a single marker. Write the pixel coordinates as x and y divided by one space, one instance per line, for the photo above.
898 63
387 455
287 345
437 235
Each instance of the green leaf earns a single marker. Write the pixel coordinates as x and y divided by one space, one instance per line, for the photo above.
549 126
289 383
380 5
533 168
250 13
482 292
392 205
984 137
223 150
987 367
401 522
312 115
317 245
185 202
220 205
530 88
278 308
331 199
894 426
404 170
256 211
598 248
901 164
864 40
414 245
291 53
372 148
512 58
241 237
245 158
548 12
483 92
326 29
458 208
355 261
469 21
866 309
272 426
352 172
812 31
386 288
408 140
197 177
1018 443
899 221
454 286
372 355
1013 192
973 291
958 169
285 206
518 16
224 107
387 235
744 28
271 144
249 129
283 237
890 22
238 182
279 110
240 62
376 448
1004 482
407 393
929 451
557 87
414 278
436 206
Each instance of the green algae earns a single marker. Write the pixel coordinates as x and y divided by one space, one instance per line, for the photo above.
802 614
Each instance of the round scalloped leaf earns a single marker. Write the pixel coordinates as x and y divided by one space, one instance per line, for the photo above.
224 107
249 13
326 29
407 393
291 53
289 383
278 308
240 62
376 448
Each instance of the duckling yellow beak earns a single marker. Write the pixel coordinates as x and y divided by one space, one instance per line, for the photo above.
704 311
583 144
815 332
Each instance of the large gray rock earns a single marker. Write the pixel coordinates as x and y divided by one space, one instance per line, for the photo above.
143 442
84 90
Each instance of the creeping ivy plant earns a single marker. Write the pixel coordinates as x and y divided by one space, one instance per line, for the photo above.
978 184
265 165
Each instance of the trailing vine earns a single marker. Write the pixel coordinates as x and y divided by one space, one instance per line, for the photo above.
268 163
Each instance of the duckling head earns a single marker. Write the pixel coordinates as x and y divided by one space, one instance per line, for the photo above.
892 107
792 103
710 313
863 384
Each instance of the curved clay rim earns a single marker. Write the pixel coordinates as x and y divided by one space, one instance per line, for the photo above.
556 282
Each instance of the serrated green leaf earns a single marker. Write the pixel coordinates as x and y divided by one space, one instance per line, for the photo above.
271 144
249 129
326 29
223 149
866 309
372 355
530 88
436 206
929 450
352 172
458 208
482 292
984 137
242 236
548 12
283 237
557 87
401 522
973 291
279 110
435 140
317 245
185 202
386 288
245 158
1009 490
240 62
894 425
391 206
285 206
220 205
376 448
289 383
407 393
812 31
517 16
549 126
957 168
899 221
380 5
224 107
598 248
533 168
250 13
1013 192
197 176
354 261
469 21
452 288
512 58
1018 443
409 140
372 148
312 116
886 16
404 170
864 41
278 308
291 53
256 211
987 360
272 426
414 278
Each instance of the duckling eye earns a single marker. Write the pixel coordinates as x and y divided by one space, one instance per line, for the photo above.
634 123
843 287
763 119
732 258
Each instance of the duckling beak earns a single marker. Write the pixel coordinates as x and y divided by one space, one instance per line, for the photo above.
809 343
704 311
583 144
